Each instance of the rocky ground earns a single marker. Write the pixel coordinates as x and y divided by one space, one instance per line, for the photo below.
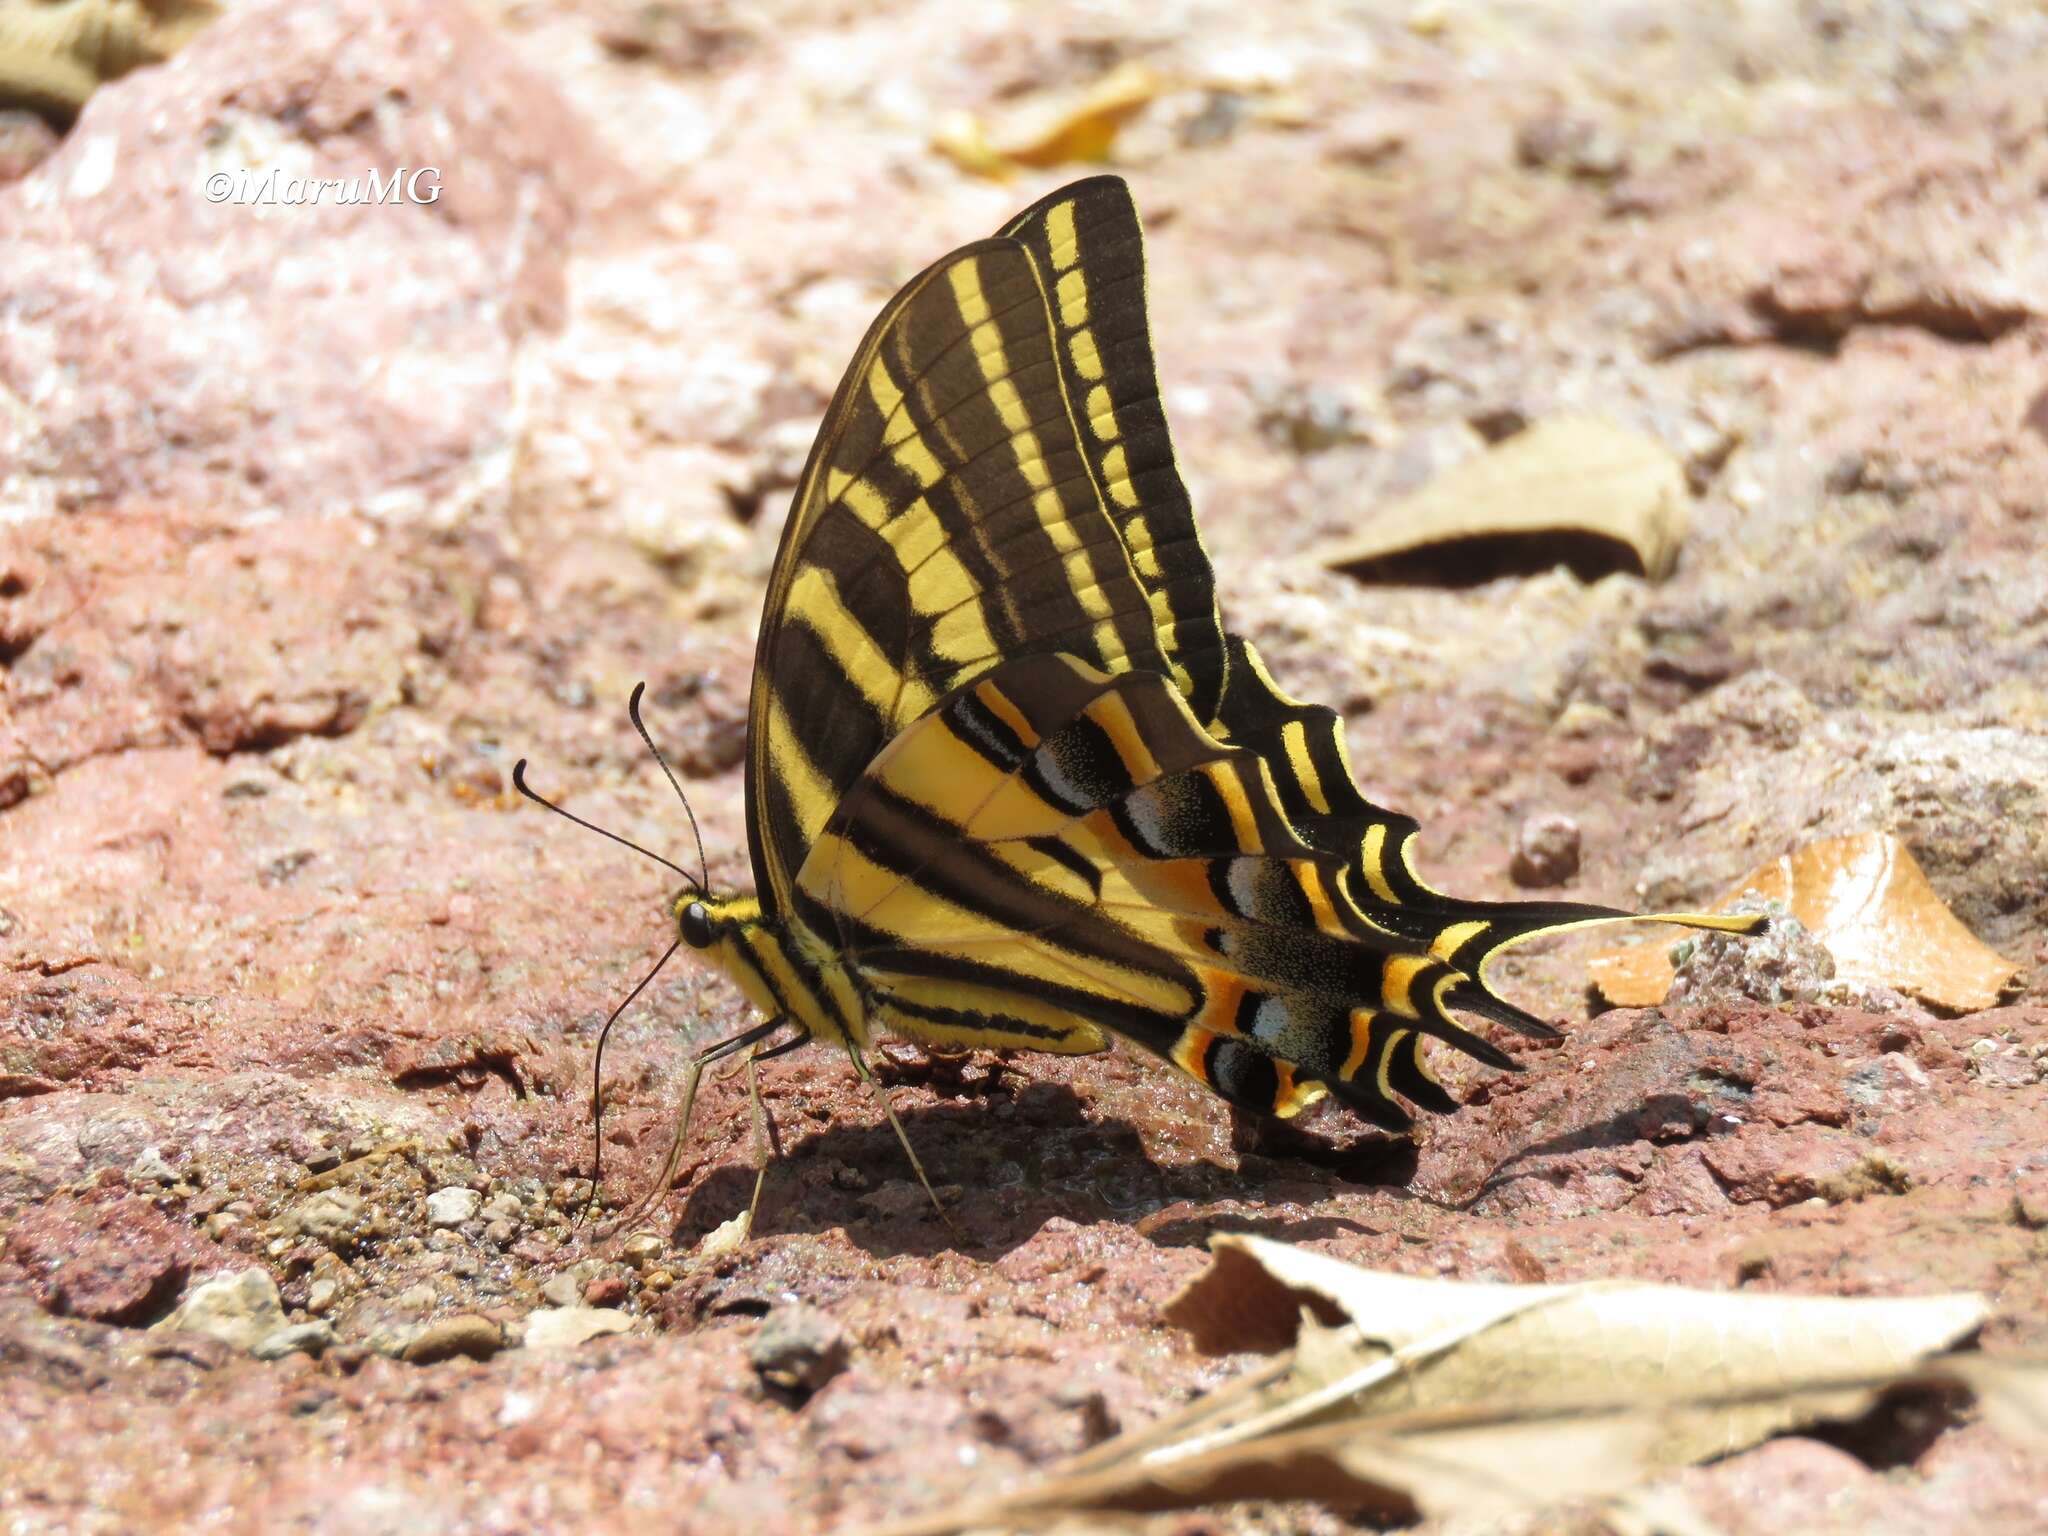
316 518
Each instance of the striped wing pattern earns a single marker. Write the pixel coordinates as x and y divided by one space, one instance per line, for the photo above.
1011 783
1303 747
1106 358
1055 851
1088 242
946 520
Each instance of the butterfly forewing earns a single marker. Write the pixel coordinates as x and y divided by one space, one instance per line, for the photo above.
947 519
1091 249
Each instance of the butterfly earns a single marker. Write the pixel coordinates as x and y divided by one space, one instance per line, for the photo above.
1011 784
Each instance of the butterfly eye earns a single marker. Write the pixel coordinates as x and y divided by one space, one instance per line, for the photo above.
697 930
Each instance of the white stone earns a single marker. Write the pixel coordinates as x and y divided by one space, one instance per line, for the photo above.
241 1310
566 1327
453 1206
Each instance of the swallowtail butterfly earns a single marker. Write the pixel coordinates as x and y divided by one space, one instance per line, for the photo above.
1009 780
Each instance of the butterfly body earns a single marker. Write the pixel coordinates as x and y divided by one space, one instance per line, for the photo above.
780 967
1010 781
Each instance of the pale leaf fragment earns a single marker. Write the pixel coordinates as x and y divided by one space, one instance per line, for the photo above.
1415 1398
1576 490
1057 129
1866 899
1658 1345
728 1236
52 57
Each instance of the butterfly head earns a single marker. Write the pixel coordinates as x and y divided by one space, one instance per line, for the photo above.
710 923
693 917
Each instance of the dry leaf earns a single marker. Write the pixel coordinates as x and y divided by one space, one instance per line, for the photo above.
1576 490
1435 1399
1054 130
1463 1343
1868 901
1473 1463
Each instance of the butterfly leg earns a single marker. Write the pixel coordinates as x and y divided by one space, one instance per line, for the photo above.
867 1076
704 1058
767 1145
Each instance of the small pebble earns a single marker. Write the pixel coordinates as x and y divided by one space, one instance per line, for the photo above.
321 1295
566 1289
477 1338
452 1206
297 1339
1577 146
416 1298
240 1310
503 1206
798 1350
2030 1201
150 1168
642 1249
1546 851
333 1218
566 1327
605 1291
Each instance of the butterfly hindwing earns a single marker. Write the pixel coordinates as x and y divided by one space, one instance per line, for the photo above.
1303 746
1075 844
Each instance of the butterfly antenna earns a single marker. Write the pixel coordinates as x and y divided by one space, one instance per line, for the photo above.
633 709
597 1071
519 783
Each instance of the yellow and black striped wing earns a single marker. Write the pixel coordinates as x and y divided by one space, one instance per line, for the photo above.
1055 850
1008 766
1303 748
1090 248
948 519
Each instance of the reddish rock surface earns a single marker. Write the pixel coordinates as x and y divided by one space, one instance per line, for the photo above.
316 518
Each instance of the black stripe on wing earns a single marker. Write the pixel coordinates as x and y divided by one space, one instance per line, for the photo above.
1091 247
948 519
1303 746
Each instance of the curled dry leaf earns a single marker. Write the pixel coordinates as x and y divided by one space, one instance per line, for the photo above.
1058 129
1462 1343
1416 1398
1576 490
1868 901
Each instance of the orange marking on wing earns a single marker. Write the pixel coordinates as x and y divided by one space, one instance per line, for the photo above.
997 703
